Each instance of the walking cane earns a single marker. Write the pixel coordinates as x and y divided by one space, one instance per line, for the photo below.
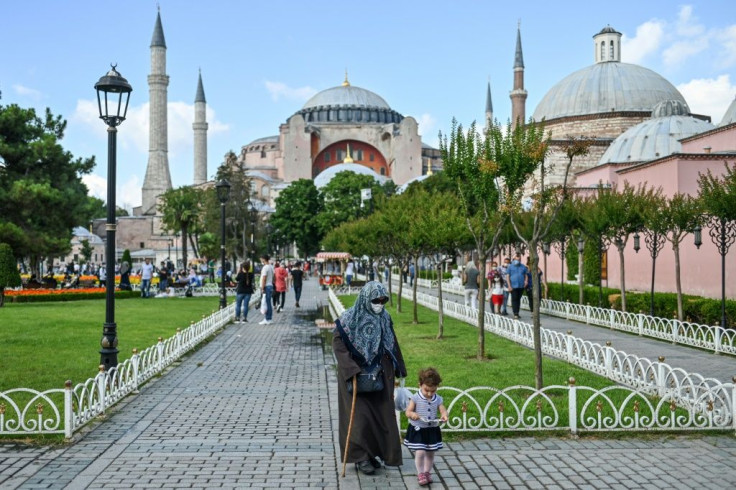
350 426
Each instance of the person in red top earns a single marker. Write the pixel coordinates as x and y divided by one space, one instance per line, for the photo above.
280 277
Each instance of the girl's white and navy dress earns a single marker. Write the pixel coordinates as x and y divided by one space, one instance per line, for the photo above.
421 435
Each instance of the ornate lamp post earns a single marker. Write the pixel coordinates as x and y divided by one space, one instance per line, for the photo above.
253 221
111 89
223 194
602 247
269 230
722 233
560 249
654 242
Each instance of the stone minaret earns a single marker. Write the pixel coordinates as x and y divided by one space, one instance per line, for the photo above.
518 95
200 135
489 107
158 178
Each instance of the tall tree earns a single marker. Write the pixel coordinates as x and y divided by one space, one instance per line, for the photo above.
297 207
42 195
474 168
180 209
9 275
341 198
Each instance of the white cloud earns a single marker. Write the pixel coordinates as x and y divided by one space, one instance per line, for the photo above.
647 40
97 185
27 92
682 50
426 128
279 90
129 193
727 38
709 96
687 25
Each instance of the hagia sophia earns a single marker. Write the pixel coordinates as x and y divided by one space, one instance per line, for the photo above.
642 129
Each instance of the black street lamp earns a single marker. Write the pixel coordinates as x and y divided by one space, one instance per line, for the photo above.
253 221
654 242
637 241
223 194
109 87
560 249
602 247
722 233
269 231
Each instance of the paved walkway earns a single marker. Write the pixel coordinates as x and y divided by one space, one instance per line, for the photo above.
255 407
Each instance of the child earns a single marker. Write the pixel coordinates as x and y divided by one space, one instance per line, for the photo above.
496 281
423 435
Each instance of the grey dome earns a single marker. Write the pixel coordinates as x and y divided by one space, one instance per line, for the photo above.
606 87
346 95
668 108
730 116
654 138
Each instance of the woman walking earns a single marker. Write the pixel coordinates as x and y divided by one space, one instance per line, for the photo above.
243 291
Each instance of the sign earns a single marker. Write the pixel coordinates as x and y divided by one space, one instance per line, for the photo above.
365 194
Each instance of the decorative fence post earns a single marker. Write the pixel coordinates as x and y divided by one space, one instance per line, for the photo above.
675 327
68 410
612 317
661 385
587 314
733 403
717 332
640 323
567 309
160 353
100 385
609 359
135 360
569 341
572 407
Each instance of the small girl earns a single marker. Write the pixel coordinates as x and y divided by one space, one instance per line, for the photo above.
424 435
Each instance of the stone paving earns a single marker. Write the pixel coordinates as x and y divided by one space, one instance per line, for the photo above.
255 407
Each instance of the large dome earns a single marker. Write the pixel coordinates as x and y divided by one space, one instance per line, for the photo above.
606 87
656 137
346 95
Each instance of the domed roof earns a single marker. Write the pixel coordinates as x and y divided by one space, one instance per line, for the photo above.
606 87
346 95
327 174
730 116
654 138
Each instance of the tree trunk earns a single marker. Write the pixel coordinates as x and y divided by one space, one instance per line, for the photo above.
678 284
482 305
390 286
581 297
623 275
194 246
536 323
401 288
184 238
2 297
414 289
440 311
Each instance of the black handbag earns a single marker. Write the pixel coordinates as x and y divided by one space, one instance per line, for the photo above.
368 381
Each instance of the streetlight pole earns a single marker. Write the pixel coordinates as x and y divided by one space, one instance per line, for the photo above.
722 234
110 84
654 242
223 194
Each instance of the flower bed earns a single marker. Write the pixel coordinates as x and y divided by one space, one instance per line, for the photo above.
41 295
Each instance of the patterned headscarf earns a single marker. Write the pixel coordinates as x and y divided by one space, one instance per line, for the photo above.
365 333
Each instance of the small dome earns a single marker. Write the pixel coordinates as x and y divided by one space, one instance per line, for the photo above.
346 95
654 138
668 108
608 30
730 116
327 174
606 87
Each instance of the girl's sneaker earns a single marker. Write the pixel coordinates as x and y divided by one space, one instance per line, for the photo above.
429 477
422 478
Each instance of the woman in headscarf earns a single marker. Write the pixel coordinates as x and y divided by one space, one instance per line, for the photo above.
364 337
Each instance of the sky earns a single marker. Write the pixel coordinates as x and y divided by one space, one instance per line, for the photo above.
261 61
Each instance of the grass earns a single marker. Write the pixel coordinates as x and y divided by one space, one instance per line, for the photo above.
44 344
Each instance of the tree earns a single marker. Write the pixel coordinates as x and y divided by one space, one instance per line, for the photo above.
42 195
341 198
9 275
297 207
86 250
180 210
471 164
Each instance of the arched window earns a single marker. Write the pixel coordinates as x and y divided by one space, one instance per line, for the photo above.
603 50
610 56
263 153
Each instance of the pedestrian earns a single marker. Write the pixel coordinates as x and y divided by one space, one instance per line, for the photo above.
146 276
503 269
516 280
163 278
280 277
349 271
471 282
243 291
412 272
423 435
529 285
297 276
495 281
364 340
102 275
267 288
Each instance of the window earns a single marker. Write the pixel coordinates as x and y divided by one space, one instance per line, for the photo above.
264 191
372 157
263 153
327 157
340 155
143 244
611 53
358 155
603 50
383 171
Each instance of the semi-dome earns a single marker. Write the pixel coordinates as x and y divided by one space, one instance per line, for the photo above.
327 174
730 116
606 87
654 138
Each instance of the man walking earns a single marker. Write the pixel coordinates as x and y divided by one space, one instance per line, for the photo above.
267 288
516 280
297 275
146 276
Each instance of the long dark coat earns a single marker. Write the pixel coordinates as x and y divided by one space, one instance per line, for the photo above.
375 432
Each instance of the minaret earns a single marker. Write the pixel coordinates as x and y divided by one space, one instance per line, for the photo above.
518 95
158 178
489 107
200 134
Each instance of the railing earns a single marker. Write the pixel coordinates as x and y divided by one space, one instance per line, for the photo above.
25 411
659 379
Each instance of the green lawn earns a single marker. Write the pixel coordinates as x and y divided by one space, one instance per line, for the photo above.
44 344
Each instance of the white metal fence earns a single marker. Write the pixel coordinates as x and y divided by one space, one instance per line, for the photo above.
702 398
24 411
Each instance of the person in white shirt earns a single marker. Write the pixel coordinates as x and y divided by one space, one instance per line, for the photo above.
267 288
146 276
